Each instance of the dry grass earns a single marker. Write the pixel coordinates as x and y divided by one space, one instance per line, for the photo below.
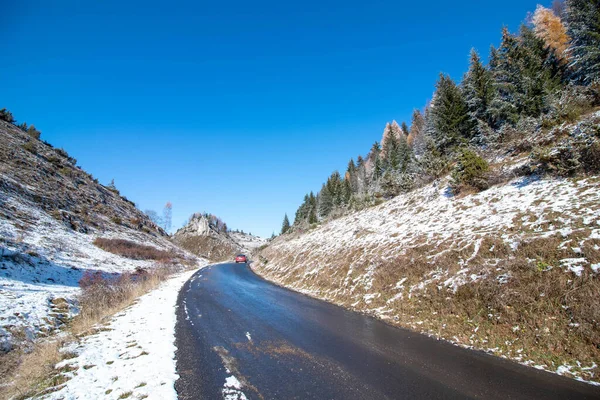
541 312
30 371
133 250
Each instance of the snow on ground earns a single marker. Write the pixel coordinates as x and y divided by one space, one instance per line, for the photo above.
41 263
338 260
247 241
429 217
134 354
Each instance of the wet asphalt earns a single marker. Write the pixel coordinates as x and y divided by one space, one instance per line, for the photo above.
283 345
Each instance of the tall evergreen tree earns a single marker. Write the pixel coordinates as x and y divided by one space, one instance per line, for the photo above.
405 154
285 226
478 88
416 137
405 129
503 108
325 201
390 152
450 122
583 26
375 157
312 215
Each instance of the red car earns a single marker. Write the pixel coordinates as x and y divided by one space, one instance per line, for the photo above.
240 258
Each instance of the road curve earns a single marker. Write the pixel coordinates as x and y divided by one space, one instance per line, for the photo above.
239 336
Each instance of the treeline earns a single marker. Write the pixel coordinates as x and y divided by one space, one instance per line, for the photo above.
546 74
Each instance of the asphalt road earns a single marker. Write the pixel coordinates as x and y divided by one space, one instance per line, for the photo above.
279 344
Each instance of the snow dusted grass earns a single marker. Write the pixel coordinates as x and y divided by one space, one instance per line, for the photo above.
41 263
131 356
42 308
512 270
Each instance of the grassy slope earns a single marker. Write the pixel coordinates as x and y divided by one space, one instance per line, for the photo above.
513 270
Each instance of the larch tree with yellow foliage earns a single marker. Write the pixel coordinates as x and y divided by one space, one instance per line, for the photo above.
549 27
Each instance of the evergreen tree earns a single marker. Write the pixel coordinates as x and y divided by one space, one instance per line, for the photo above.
7 116
450 122
375 157
405 129
478 88
34 133
325 201
416 137
505 71
583 26
312 216
303 211
391 154
405 154
286 225
526 73
346 192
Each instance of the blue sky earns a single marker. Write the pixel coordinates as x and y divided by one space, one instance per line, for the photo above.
235 108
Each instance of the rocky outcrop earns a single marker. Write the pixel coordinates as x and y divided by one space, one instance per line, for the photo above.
202 238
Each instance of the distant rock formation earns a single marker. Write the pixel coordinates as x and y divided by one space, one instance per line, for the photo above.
201 237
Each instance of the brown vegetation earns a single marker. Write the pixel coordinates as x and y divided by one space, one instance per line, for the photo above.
30 372
136 251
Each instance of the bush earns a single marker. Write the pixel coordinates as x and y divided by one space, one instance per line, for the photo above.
30 147
470 171
561 161
572 103
34 133
7 116
590 158
129 249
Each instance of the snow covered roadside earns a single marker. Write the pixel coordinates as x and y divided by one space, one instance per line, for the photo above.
133 357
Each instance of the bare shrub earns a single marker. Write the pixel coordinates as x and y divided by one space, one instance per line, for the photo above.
129 249
104 294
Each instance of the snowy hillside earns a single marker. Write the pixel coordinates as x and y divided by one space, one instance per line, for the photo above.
247 242
513 270
50 213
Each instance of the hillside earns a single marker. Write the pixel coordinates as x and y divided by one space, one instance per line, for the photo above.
206 236
51 213
512 270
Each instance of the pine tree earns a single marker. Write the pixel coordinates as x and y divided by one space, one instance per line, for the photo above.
505 71
416 137
525 74
405 154
450 122
478 88
375 157
7 116
33 132
303 211
391 156
312 216
286 225
405 129
325 201
540 74
583 26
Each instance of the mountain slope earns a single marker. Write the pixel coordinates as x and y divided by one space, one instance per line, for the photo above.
513 270
51 211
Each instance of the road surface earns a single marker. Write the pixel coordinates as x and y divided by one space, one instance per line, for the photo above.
239 336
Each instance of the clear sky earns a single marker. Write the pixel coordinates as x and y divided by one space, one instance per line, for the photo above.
237 108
